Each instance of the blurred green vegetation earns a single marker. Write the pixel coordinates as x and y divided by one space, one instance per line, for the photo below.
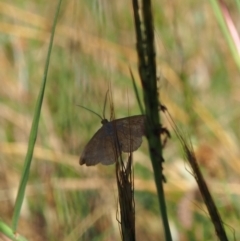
94 47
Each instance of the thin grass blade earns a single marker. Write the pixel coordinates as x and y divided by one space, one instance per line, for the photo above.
33 133
217 8
7 231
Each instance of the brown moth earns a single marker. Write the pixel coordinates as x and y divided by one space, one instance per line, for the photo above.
120 135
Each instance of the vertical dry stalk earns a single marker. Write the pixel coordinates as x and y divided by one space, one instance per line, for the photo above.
124 178
125 184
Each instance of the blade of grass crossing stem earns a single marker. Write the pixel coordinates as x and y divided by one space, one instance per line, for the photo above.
136 92
6 230
33 133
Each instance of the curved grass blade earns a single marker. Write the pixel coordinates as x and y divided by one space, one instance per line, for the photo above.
33 133
218 7
7 231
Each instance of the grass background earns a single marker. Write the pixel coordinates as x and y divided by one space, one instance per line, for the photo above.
94 46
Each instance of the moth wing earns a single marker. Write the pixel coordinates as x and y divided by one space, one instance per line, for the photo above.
100 148
130 131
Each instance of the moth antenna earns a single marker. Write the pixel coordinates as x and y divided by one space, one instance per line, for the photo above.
110 97
91 111
105 103
111 106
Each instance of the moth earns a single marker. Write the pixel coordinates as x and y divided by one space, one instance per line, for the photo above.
114 137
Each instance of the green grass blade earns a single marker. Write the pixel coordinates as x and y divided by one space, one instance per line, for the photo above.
222 23
238 4
33 133
136 92
6 230
147 71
